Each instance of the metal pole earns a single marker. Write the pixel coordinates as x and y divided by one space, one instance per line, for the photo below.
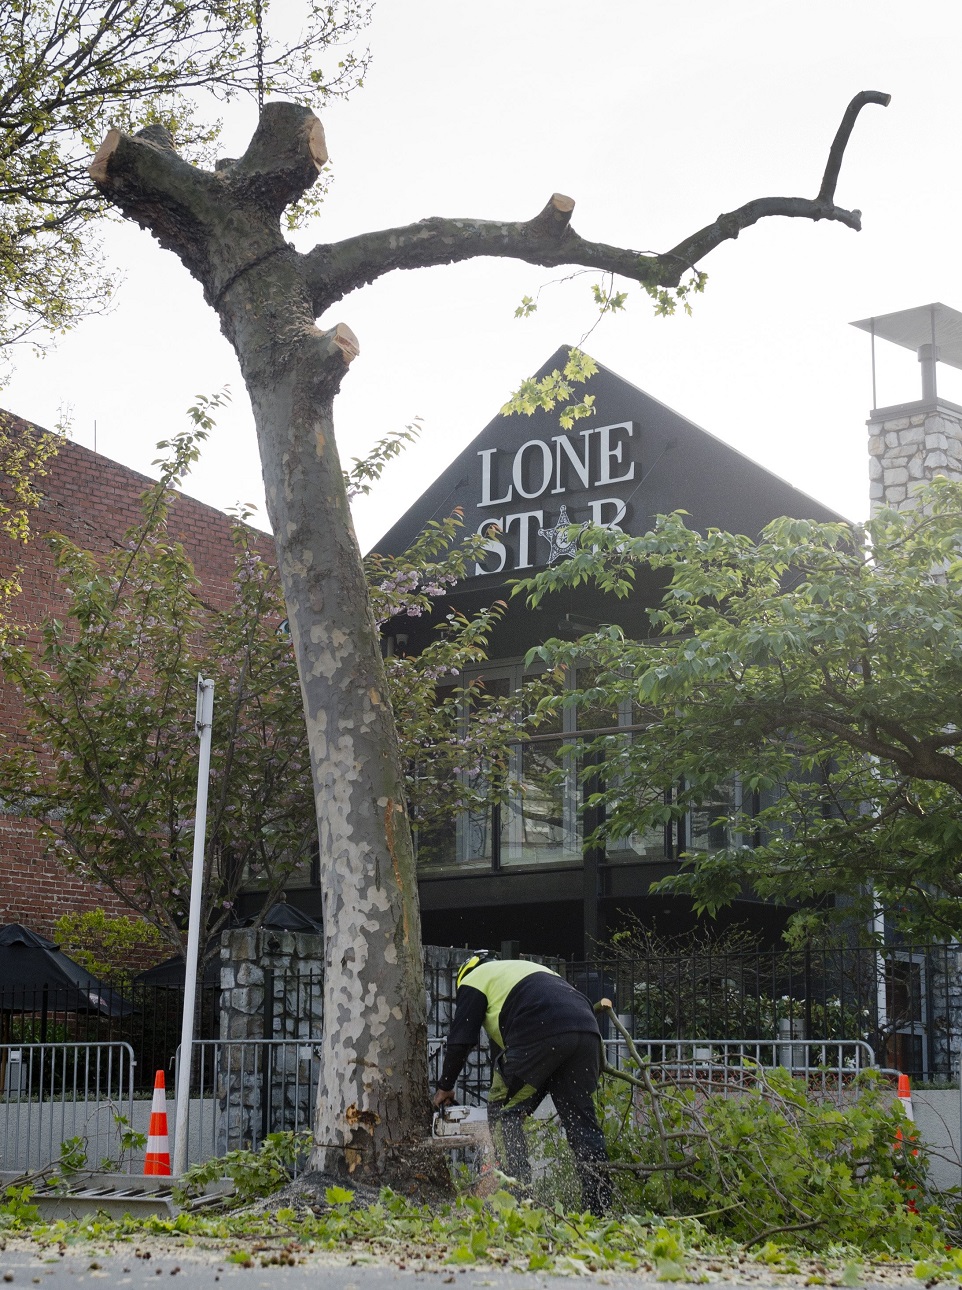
956 1030
202 725
267 1073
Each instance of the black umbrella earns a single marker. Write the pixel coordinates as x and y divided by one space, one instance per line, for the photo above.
281 917
170 974
36 977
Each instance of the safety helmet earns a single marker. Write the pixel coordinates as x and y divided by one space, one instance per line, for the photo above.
476 959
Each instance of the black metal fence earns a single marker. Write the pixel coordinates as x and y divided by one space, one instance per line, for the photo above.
148 1017
905 1001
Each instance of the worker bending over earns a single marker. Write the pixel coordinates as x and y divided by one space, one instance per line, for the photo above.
550 1044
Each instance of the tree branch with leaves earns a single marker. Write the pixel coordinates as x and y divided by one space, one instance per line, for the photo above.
73 68
819 665
109 770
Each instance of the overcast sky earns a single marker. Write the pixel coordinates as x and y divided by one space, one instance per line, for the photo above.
654 115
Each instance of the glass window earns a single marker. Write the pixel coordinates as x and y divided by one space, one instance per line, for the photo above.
710 825
903 990
542 819
654 842
539 817
904 1017
478 835
436 843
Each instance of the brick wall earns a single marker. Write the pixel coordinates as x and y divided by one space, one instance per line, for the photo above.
93 501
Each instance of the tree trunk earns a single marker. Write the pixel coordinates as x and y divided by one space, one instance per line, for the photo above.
373 1093
373 1102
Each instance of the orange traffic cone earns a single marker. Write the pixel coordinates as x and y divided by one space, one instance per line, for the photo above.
157 1159
904 1094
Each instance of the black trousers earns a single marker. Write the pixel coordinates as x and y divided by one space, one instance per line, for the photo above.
568 1067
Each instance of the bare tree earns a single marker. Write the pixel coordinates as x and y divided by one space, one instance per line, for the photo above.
225 227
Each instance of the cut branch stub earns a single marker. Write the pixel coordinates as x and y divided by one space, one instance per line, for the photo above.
150 183
283 159
223 225
99 166
327 359
346 342
554 220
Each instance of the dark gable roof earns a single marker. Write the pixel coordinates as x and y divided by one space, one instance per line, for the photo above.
677 466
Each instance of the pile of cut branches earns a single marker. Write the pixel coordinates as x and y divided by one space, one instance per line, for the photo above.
758 1156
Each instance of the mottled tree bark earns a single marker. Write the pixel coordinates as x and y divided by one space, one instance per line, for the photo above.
373 1098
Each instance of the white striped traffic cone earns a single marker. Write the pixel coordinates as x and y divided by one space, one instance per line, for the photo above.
904 1095
157 1159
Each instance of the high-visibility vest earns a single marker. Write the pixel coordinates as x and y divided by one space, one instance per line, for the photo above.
496 980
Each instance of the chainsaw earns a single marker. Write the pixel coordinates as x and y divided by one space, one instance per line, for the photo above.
459 1122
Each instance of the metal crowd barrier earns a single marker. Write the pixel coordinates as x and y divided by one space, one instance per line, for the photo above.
241 1090
52 1093
828 1066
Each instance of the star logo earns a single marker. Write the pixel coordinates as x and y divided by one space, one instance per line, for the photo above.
562 546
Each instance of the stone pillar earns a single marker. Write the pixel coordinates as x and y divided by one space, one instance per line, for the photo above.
910 445
271 988
288 966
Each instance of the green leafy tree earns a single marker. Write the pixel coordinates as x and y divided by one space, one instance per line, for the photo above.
801 691
23 459
108 945
110 768
72 69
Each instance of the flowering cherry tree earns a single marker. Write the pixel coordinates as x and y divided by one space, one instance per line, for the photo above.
110 769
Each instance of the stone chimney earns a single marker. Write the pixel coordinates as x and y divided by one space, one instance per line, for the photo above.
911 443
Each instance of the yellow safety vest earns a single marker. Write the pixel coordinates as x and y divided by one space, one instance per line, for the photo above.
496 980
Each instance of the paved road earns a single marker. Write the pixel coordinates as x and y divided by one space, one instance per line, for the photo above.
23 1271
24 1268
